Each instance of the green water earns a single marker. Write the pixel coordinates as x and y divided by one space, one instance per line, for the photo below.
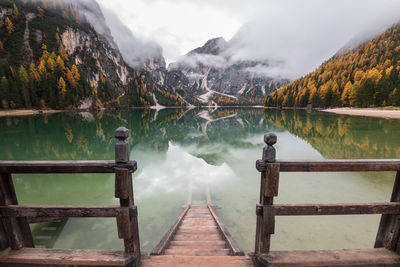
179 151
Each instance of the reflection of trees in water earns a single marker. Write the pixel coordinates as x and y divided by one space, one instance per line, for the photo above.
341 136
90 136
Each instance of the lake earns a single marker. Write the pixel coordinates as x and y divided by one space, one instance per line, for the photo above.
189 152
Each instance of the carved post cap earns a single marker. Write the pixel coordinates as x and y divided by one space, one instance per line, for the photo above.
122 146
270 139
121 133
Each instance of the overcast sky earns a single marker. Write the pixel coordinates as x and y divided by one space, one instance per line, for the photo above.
300 34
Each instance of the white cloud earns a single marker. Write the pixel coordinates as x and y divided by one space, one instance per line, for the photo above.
178 26
302 34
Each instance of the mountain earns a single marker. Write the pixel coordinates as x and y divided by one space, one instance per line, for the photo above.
62 55
215 77
366 75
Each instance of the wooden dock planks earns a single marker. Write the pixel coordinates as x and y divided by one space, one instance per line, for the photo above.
197 242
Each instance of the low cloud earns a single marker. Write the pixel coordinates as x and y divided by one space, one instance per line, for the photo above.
299 35
135 52
303 34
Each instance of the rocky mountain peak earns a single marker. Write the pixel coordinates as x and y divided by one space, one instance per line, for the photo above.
214 47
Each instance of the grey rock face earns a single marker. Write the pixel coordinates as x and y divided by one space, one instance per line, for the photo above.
211 68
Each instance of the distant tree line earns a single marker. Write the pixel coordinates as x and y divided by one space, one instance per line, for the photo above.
363 77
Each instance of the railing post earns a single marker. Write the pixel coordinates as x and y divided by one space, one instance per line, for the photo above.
127 217
388 235
268 190
17 230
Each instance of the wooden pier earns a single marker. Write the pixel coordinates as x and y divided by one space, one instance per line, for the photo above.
198 237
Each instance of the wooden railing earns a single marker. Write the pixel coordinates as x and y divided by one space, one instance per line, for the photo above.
14 224
388 232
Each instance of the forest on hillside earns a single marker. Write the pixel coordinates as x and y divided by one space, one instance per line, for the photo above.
37 72
366 76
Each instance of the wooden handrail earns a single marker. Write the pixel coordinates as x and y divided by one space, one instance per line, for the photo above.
65 166
336 209
15 218
63 211
389 230
334 165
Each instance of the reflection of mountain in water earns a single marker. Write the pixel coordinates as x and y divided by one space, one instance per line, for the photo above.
341 136
90 136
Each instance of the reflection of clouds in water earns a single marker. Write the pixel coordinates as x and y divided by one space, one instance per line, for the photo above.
179 170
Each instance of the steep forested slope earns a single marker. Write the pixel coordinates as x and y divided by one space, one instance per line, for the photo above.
365 76
51 57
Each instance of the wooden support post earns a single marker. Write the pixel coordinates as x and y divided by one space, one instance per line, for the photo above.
3 237
268 190
389 227
17 229
126 221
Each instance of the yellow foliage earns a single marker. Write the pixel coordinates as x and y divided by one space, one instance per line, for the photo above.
75 73
50 64
9 26
62 86
42 67
374 75
60 63
15 11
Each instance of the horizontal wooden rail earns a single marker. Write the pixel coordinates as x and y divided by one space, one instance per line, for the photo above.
336 209
350 165
63 211
67 166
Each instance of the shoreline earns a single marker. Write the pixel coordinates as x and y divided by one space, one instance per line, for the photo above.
366 112
27 112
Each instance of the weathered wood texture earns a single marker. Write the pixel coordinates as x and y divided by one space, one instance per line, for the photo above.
17 229
272 181
166 239
351 257
345 165
336 209
197 225
196 261
67 166
66 257
230 241
268 190
389 227
128 228
3 237
197 238
63 211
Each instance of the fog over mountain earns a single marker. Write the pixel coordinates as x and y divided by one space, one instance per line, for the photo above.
294 36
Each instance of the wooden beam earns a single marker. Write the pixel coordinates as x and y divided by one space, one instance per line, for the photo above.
3 237
128 227
336 209
372 257
66 257
350 165
62 211
233 245
162 245
66 166
123 224
121 183
389 227
17 229
272 180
